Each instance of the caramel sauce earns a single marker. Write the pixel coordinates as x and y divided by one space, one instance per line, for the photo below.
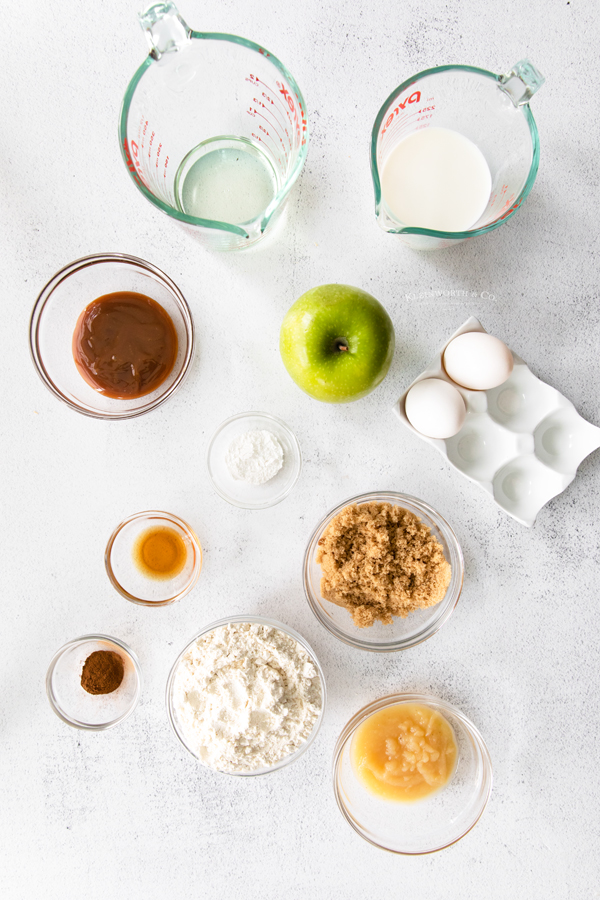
124 345
160 552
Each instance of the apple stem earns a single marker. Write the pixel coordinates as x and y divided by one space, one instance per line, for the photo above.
341 345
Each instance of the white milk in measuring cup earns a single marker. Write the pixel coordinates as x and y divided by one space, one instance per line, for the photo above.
454 153
436 179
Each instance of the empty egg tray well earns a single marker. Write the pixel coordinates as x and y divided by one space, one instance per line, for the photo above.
521 441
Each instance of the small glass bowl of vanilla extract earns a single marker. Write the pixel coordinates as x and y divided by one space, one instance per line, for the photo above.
153 558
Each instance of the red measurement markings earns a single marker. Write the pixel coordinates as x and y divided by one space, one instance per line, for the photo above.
263 106
266 134
267 108
507 207
165 168
393 135
298 125
270 98
254 79
414 98
158 154
281 123
425 112
142 126
261 140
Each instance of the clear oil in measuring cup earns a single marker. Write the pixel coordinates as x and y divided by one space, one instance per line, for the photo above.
226 179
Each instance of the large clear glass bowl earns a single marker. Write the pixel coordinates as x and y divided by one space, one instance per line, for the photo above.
426 825
419 625
259 620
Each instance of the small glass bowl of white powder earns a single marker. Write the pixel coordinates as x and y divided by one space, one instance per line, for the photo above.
253 460
246 696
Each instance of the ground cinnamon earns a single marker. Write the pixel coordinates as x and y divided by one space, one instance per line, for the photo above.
102 672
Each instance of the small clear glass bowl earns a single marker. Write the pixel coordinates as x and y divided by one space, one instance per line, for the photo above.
258 620
426 825
55 316
73 704
239 493
129 581
419 625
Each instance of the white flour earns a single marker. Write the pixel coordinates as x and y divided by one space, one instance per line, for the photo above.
254 457
246 696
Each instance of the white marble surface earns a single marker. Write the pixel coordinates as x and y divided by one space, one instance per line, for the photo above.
127 813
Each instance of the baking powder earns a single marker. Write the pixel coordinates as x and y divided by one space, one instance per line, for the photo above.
254 457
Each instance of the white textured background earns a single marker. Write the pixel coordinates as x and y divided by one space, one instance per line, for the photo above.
126 813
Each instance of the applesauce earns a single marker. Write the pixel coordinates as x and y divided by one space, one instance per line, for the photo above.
404 752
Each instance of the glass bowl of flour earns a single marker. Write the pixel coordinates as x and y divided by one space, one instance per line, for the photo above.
246 696
253 460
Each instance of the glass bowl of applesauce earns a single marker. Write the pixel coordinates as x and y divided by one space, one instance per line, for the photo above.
412 826
402 632
159 363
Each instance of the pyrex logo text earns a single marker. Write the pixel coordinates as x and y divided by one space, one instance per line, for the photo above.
133 164
414 98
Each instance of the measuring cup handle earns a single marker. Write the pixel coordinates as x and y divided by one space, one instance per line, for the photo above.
521 82
164 28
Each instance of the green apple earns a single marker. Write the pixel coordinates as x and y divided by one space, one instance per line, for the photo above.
337 343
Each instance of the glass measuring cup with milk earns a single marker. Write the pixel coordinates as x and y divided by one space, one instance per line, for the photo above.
213 130
454 153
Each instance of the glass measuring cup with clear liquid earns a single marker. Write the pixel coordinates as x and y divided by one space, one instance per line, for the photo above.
479 127
213 130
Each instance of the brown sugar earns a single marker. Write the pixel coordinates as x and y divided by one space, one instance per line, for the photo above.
380 561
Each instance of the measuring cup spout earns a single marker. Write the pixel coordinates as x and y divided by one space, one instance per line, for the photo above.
164 28
521 83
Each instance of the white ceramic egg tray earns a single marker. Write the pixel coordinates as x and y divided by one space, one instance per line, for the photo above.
522 441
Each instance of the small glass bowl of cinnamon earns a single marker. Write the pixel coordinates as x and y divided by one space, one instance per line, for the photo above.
111 336
153 558
94 682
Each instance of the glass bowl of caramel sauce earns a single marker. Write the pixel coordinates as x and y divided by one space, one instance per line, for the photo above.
153 558
411 773
111 336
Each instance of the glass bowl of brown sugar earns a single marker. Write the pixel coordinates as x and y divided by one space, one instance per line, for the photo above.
368 550
111 336
94 682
